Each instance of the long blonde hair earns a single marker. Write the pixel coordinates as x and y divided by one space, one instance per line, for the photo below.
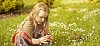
36 9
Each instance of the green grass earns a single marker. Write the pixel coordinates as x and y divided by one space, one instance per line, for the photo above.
7 28
70 24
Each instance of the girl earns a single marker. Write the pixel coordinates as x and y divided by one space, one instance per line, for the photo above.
33 31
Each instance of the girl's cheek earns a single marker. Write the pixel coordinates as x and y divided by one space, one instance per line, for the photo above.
38 19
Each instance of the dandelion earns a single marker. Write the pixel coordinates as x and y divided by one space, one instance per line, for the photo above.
63 32
74 24
93 27
70 25
90 34
74 30
54 14
66 39
18 25
66 32
55 42
84 42
81 30
81 42
14 25
86 38
71 43
52 24
69 40
73 40
4 43
82 38
78 44
62 45
95 38
77 18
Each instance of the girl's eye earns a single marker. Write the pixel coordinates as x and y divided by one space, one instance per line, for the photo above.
41 17
40 9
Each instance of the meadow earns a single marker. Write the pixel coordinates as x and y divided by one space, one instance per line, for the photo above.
71 24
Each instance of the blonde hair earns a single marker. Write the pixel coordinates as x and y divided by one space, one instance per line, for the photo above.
36 9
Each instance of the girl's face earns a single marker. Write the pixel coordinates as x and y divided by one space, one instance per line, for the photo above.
40 18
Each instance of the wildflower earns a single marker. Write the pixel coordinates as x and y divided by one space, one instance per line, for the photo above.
55 42
54 14
15 30
90 34
70 9
63 32
81 42
91 13
93 27
57 24
56 9
82 10
78 44
62 45
4 43
14 25
73 40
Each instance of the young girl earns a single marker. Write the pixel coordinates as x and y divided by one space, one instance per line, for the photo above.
33 31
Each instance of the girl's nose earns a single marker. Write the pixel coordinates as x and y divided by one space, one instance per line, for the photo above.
43 19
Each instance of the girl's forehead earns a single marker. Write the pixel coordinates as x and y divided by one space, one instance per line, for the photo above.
45 14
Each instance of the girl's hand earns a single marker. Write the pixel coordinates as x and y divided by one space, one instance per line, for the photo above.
46 39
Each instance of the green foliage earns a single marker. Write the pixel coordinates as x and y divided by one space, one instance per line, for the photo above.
10 5
48 2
